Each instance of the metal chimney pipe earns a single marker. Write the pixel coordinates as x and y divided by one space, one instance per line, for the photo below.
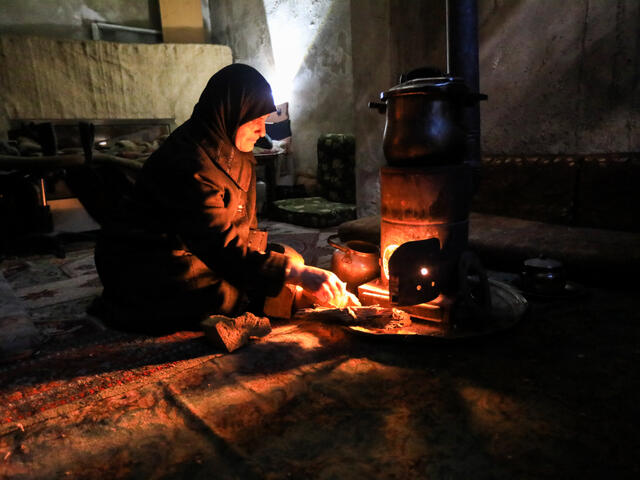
462 61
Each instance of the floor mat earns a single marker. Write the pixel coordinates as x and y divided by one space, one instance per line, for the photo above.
78 358
54 382
38 296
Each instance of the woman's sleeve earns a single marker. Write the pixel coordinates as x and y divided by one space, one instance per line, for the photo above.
204 222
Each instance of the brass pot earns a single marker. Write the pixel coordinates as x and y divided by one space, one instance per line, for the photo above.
356 262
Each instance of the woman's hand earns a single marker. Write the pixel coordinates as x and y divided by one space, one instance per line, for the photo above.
323 285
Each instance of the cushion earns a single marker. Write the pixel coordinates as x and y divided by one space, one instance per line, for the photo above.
363 228
336 167
531 187
590 255
315 212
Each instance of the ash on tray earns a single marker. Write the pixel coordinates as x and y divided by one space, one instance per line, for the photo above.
374 316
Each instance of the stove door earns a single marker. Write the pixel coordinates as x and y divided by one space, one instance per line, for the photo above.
414 272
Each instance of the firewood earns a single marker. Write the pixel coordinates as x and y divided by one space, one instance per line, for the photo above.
232 333
281 305
370 316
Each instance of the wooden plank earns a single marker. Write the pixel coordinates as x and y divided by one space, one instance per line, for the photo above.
182 21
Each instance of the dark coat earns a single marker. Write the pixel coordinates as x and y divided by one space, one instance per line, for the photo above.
182 249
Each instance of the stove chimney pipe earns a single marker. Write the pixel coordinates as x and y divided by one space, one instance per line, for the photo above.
462 61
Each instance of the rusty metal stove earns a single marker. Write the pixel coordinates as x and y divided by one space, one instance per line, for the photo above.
426 267
432 146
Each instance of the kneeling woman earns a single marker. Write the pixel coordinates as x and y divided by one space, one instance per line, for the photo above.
181 251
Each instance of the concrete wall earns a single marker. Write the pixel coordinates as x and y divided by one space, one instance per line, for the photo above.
390 37
72 18
303 47
561 76
249 40
371 75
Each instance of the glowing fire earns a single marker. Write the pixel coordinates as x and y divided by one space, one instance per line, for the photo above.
386 255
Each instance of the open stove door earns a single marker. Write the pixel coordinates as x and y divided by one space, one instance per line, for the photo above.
414 272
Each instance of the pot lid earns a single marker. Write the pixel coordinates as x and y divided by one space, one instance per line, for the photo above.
449 86
543 263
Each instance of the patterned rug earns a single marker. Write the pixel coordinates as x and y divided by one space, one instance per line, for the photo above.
78 358
114 362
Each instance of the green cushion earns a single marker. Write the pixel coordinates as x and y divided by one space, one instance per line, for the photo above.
337 167
315 212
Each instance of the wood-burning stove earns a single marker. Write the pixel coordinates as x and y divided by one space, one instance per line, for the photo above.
425 199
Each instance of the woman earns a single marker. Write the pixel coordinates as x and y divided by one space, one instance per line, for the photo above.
182 249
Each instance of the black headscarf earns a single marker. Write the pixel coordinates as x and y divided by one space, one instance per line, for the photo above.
234 95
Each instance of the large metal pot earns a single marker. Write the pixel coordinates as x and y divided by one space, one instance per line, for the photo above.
424 123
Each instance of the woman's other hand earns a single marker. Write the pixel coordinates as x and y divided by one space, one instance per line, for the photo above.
323 285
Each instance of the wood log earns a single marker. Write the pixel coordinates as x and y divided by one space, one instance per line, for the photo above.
281 305
232 333
369 316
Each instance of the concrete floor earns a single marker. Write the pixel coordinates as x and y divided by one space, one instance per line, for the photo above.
555 397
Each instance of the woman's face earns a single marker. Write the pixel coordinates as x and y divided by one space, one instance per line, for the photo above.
249 133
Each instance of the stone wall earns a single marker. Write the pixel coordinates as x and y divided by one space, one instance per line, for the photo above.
45 78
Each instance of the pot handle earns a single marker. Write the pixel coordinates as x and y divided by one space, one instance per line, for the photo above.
381 107
330 241
472 98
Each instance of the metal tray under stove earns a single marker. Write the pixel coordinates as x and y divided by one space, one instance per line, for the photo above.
508 307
